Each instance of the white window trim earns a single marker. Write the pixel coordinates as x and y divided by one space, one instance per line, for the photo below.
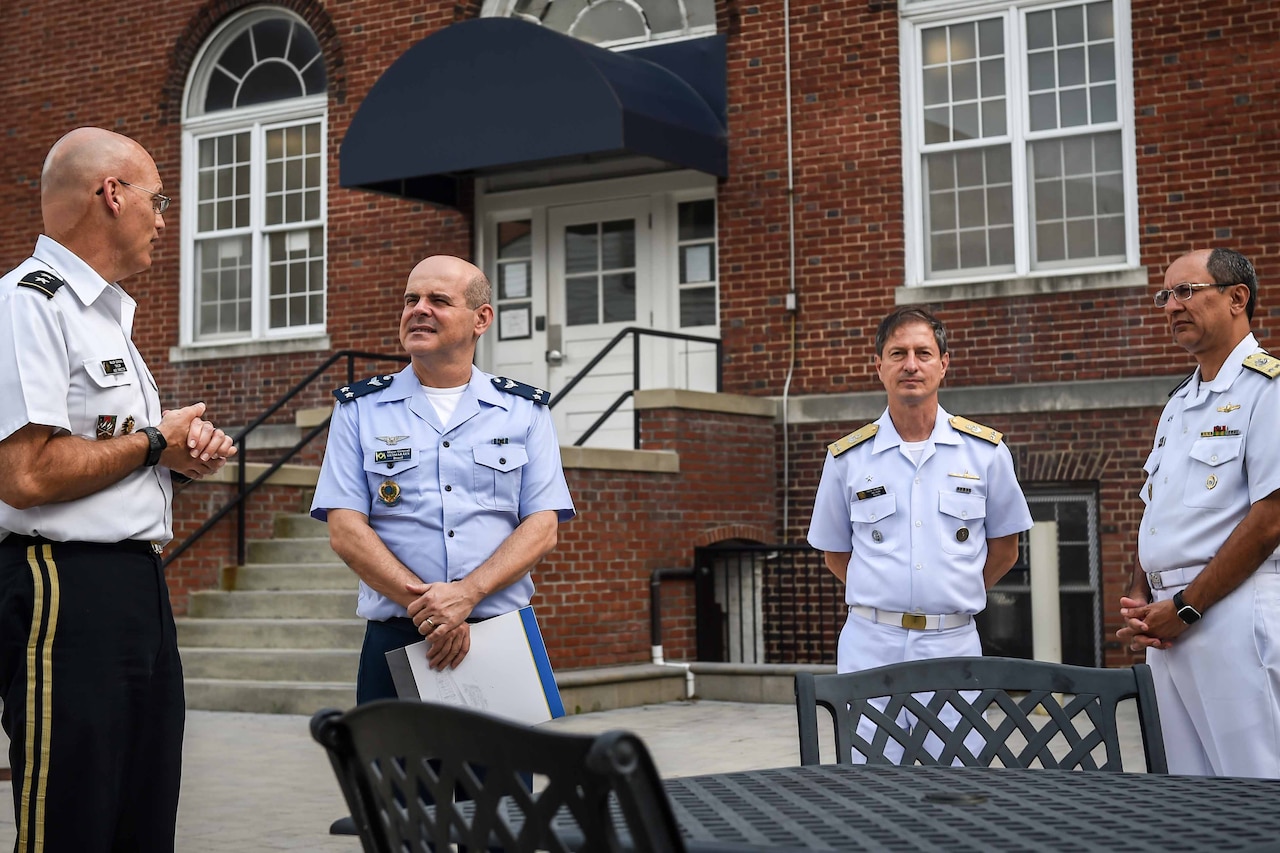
505 9
915 14
255 119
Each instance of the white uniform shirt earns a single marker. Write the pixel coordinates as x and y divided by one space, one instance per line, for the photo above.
918 536
69 362
1214 455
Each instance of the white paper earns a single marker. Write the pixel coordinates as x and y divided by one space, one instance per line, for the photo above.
515 281
513 322
499 675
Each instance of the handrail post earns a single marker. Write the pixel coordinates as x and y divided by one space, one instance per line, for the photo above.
241 499
635 385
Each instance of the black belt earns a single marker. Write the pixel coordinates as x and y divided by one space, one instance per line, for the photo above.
140 546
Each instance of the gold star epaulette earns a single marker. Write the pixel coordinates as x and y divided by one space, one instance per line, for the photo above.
529 392
976 430
1265 363
45 282
347 393
853 439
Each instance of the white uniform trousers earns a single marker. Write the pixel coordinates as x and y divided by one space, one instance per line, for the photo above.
865 645
1218 687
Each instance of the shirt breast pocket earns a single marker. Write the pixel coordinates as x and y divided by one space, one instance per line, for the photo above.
963 523
874 525
112 392
396 487
499 470
1215 475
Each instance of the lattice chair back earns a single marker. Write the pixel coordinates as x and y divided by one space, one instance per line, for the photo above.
395 758
980 712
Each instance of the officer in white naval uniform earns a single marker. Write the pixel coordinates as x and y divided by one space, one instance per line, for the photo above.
89 667
442 486
1205 599
918 513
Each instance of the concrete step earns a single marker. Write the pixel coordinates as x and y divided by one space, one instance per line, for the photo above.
329 576
263 604
268 697
299 526
301 550
311 665
271 633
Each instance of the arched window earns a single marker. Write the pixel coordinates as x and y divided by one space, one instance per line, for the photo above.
254 182
612 22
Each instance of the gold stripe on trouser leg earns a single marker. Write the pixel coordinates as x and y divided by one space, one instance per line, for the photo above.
39 706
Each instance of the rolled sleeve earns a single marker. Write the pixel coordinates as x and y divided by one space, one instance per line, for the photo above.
342 483
1007 510
830 528
35 377
543 485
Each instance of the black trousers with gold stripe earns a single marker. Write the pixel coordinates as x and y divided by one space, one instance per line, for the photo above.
93 699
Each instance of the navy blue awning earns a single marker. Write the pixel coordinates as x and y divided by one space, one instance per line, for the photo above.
495 93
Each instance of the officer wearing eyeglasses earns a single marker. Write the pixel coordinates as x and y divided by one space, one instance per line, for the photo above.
1205 596
89 668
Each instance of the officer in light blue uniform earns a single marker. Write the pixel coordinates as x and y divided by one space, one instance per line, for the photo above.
918 513
440 494
1205 601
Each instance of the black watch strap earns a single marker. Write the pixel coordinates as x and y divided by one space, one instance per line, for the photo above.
1186 612
156 447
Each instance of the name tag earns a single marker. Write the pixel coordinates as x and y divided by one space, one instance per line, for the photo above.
114 367
391 457
871 493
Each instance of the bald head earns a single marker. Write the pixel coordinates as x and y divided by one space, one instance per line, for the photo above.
77 164
478 290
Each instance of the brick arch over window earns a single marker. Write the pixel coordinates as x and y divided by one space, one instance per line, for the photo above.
726 14
213 13
740 532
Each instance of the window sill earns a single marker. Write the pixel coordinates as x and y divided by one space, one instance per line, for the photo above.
249 349
1025 286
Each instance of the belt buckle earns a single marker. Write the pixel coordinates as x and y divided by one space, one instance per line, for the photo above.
1154 580
914 621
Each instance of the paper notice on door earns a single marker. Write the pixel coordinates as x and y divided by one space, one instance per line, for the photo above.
506 672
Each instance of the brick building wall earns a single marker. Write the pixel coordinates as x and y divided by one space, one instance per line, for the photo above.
1206 78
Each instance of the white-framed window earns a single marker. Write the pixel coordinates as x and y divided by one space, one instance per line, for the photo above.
1018 123
254 184
612 22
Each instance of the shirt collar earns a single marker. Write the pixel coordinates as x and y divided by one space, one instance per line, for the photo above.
1231 368
83 280
406 385
887 435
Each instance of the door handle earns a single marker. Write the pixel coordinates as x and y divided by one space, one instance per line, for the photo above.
555 340
555 358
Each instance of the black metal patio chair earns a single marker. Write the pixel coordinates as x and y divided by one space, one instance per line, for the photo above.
395 758
1044 708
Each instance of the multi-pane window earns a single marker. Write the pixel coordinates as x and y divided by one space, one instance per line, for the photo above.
254 251
514 297
613 21
1020 133
696 248
600 272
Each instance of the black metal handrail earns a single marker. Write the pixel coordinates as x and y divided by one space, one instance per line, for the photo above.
243 490
636 333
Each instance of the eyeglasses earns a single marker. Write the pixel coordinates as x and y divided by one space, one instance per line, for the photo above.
1183 292
159 202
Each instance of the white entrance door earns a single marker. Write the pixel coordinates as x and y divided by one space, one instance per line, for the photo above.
599 282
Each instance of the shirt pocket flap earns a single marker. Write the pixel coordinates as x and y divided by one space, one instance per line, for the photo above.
1216 451
108 372
873 509
392 460
961 506
500 457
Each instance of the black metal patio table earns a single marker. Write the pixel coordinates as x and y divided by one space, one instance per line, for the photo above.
843 807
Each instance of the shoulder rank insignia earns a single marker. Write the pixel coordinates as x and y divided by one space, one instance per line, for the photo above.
511 386
853 439
358 389
976 430
1265 363
45 282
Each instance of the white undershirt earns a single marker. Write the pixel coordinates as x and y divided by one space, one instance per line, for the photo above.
914 450
444 401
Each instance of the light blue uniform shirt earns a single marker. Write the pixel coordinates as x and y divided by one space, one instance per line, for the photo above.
1215 454
461 490
918 536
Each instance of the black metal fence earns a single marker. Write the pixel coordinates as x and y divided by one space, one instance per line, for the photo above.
766 604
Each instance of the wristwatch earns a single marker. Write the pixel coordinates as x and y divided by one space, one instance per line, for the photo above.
157 445
1186 612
